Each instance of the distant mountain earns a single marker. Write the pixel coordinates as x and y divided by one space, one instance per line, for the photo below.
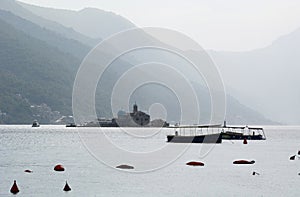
13 7
65 45
236 113
91 22
266 79
38 64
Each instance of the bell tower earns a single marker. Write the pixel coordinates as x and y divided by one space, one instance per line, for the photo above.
135 108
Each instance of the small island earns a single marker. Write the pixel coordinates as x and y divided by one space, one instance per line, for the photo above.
135 118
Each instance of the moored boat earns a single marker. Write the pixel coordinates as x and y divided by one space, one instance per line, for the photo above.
214 133
35 123
195 134
242 133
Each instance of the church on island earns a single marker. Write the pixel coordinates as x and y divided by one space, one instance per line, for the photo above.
135 118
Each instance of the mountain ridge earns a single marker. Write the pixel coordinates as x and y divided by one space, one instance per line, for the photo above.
18 10
34 73
91 22
54 39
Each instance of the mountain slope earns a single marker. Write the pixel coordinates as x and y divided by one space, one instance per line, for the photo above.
91 22
13 7
32 70
65 45
266 79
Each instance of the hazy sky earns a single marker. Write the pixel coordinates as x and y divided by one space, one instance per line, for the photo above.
235 25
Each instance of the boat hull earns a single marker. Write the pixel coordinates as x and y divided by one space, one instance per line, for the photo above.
209 139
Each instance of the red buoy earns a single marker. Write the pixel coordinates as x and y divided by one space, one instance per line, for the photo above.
67 187
243 162
28 171
195 163
245 141
59 168
14 189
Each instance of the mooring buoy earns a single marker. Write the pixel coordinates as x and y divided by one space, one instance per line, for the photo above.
59 168
293 157
125 166
67 187
28 171
243 162
195 163
14 189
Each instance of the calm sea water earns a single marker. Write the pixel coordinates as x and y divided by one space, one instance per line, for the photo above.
90 163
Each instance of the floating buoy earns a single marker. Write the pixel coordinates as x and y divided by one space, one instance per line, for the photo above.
59 168
293 157
67 187
195 163
14 189
298 152
245 141
243 162
124 166
28 171
255 173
